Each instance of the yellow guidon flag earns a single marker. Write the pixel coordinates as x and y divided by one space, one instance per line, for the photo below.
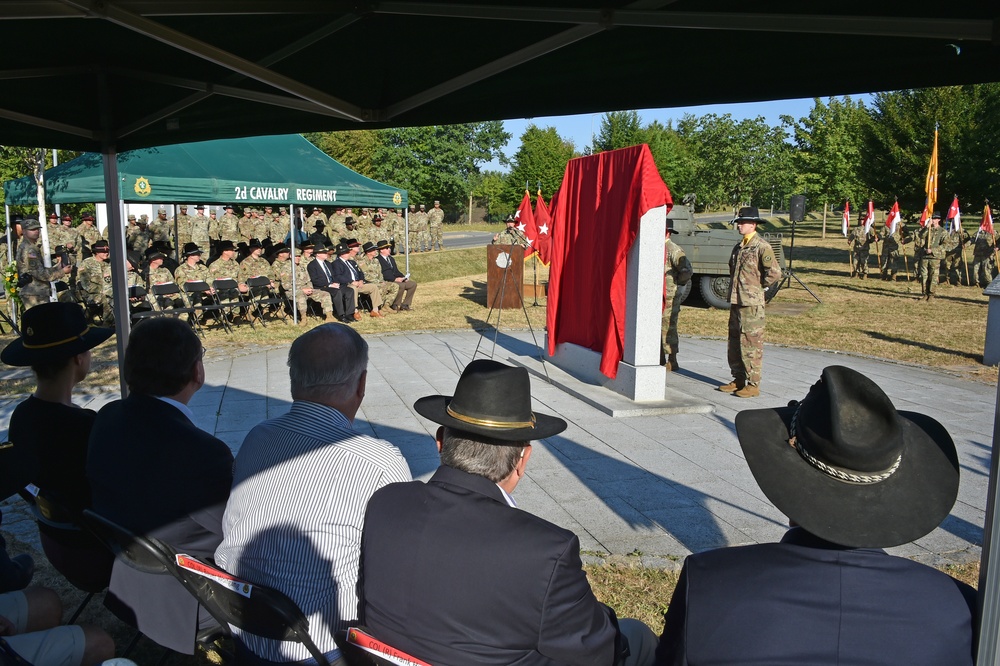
931 184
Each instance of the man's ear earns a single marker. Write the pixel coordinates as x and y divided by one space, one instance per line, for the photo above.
439 438
362 381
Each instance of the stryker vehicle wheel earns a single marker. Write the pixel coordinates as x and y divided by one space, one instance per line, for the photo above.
715 290
683 291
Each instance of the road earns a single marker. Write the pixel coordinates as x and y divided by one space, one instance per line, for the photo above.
460 240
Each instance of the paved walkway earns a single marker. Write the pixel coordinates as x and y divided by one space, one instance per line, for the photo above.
657 487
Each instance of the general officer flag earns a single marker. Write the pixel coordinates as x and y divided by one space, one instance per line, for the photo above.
955 215
526 223
892 221
870 216
543 243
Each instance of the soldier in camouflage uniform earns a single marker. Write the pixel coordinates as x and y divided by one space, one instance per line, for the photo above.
892 246
336 225
363 221
94 279
159 274
983 258
246 226
304 291
193 269
254 264
435 223
55 230
310 222
277 228
394 228
199 229
133 278
372 270
954 259
420 222
511 235
183 227
139 238
228 226
752 269
88 235
860 242
70 239
160 229
374 233
929 249
677 272
33 276
226 268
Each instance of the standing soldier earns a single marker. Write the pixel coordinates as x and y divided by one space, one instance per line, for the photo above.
435 223
268 214
277 228
983 257
677 272
33 276
88 235
70 238
139 239
94 279
55 231
752 269
246 226
423 230
183 226
860 242
199 229
954 264
336 225
892 246
160 229
393 224
363 221
310 222
929 249
412 233
228 226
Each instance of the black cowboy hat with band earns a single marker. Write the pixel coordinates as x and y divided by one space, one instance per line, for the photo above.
53 332
846 466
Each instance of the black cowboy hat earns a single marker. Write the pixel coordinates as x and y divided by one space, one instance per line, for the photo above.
319 248
494 400
306 244
848 467
190 249
341 249
748 214
226 245
101 246
154 255
670 227
279 248
254 244
383 244
369 247
53 332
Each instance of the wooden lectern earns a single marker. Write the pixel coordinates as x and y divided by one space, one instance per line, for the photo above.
497 259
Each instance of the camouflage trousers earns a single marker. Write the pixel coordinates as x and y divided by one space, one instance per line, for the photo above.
389 291
954 269
437 237
928 271
35 293
668 324
424 240
317 296
746 342
861 261
981 270
413 237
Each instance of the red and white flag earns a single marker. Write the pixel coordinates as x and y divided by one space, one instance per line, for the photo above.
955 215
543 242
870 217
845 223
892 220
987 223
526 223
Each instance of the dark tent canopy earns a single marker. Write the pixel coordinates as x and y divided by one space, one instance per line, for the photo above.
91 75
285 169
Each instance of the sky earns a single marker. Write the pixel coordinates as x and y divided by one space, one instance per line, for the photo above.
580 128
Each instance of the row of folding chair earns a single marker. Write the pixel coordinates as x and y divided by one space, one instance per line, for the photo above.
222 299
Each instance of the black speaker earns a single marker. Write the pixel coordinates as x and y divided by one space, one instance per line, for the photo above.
797 208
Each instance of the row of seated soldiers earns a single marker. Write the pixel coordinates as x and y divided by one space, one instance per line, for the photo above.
961 257
241 263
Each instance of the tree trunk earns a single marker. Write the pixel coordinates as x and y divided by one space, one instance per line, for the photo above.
825 207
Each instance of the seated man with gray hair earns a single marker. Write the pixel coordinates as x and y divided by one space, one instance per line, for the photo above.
300 486
453 573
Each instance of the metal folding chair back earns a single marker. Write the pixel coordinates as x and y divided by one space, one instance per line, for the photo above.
201 300
227 294
264 298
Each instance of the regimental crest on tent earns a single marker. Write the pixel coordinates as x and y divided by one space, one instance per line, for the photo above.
142 187
397 198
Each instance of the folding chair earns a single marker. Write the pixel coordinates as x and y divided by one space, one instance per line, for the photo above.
196 290
167 295
69 548
251 608
137 291
148 555
262 296
227 294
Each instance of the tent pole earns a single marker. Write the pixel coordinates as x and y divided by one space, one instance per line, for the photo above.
10 260
291 244
177 249
116 238
989 566
406 233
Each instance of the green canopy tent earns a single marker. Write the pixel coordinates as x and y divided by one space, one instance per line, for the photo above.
284 169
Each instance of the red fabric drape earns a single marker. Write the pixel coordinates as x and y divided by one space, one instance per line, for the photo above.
595 220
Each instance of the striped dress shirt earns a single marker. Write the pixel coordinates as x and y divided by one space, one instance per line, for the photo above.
293 522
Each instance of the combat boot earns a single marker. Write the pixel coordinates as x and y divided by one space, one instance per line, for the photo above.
748 391
930 297
672 363
330 318
732 386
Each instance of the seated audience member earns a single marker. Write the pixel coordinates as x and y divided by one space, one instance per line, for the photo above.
153 471
454 574
853 475
391 273
30 628
321 275
56 343
346 271
301 482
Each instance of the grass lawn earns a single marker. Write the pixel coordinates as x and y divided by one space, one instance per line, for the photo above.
869 317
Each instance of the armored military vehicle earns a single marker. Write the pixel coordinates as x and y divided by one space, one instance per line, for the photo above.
708 246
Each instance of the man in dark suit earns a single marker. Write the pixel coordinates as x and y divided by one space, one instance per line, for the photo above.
854 476
454 574
321 274
153 471
346 271
391 273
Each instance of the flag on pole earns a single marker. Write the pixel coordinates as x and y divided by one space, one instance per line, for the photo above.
869 217
987 224
892 221
845 223
931 183
544 239
955 215
526 222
